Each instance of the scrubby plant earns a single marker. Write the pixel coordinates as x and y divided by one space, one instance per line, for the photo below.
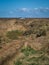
18 62
27 32
33 64
14 34
28 50
41 32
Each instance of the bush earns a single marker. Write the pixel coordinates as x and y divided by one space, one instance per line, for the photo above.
28 50
18 63
14 34
41 32
27 32
33 64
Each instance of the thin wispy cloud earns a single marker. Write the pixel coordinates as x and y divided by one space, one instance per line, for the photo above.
30 12
34 9
41 9
24 9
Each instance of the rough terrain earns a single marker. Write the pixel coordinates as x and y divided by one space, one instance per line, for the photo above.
24 41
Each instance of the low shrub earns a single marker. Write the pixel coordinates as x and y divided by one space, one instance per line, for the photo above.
27 32
40 33
33 64
14 34
28 50
18 63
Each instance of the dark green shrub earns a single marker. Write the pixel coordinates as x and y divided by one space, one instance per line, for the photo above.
33 64
28 50
27 32
18 63
0 47
14 34
46 64
41 33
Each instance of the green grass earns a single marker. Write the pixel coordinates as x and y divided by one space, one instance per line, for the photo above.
28 51
18 63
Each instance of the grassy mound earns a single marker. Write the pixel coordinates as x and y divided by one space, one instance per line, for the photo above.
14 34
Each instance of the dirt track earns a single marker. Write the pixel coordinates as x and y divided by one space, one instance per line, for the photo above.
9 50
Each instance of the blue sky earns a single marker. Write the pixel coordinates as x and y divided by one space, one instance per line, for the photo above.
24 8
